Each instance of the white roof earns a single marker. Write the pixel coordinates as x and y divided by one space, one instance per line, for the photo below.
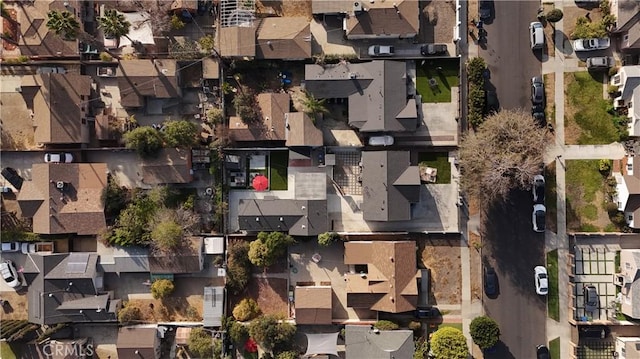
326 343
214 245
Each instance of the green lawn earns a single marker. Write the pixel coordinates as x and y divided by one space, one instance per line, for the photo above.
553 304
551 202
554 348
444 71
6 352
584 181
278 163
584 98
440 161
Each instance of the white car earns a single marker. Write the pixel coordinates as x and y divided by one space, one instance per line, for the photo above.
591 44
541 279
8 247
538 189
381 141
539 212
58 157
381 50
10 274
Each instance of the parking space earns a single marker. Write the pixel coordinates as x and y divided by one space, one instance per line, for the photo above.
594 266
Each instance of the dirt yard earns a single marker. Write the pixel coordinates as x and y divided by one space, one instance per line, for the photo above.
572 13
549 33
550 96
286 8
17 128
442 257
15 307
270 293
475 264
177 309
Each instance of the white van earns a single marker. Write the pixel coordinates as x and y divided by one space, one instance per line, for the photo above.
536 35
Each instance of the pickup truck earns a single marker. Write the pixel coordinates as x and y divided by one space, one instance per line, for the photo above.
39 247
433 49
591 44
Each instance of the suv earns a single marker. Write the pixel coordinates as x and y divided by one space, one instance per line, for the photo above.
591 300
600 63
538 189
536 35
381 50
10 274
539 212
433 49
537 91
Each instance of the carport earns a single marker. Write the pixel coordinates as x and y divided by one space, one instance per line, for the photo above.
594 266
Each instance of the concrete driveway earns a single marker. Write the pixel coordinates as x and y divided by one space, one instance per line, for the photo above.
22 162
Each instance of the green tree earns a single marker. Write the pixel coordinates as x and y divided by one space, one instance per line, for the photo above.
63 24
386 325
313 106
167 235
215 116
145 140
484 332
114 197
131 225
449 343
238 267
325 239
129 313
176 22
475 70
114 24
289 354
162 288
268 248
246 105
271 334
422 348
200 343
180 133
239 334
247 309
554 15
207 43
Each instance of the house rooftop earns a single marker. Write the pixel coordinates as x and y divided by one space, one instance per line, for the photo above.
301 131
138 79
36 40
283 38
237 41
313 305
361 341
390 18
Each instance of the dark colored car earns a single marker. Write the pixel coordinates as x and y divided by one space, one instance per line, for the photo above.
492 104
433 49
542 352
591 300
593 331
13 177
490 282
484 9
537 91
538 114
426 313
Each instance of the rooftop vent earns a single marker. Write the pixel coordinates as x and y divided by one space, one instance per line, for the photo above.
357 6
60 185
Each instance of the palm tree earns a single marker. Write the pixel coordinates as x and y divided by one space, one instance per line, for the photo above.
313 106
63 24
114 24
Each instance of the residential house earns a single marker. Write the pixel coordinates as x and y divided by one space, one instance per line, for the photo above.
627 347
283 38
628 81
142 82
237 41
63 198
60 104
629 282
383 275
627 15
377 93
389 185
313 305
273 107
188 258
300 131
363 341
170 166
213 306
36 41
67 287
138 342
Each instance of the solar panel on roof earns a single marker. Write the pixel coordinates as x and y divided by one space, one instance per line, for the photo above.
77 262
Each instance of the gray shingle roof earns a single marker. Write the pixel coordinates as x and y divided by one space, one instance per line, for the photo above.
297 217
362 342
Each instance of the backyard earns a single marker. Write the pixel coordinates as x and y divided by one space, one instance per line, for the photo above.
439 161
587 120
278 162
435 78
586 197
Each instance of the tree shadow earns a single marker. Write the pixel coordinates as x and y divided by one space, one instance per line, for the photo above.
565 46
500 351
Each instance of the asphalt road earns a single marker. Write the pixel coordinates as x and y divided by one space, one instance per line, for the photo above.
511 246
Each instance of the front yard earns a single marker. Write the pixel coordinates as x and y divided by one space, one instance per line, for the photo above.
587 120
436 77
442 257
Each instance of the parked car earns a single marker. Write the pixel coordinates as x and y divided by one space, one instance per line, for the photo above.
433 49
484 9
381 50
539 212
11 175
541 280
591 44
10 274
537 90
593 331
600 62
8 247
539 115
380 140
58 157
538 189
542 352
591 300
536 35
490 282
425 313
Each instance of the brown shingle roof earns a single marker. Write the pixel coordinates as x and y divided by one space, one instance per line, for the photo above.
172 165
313 305
138 79
273 107
237 41
135 342
391 279
300 130
382 18
184 259
59 107
283 38
76 208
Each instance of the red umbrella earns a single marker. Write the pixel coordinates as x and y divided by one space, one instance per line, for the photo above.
260 183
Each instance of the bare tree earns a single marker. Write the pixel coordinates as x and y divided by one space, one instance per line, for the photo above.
504 153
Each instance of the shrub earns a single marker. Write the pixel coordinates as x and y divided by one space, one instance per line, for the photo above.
326 238
611 208
161 288
618 219
268 248
130 313
604 166
289 354
180 133
449 343
145 140
386 325
176 22
167 235
114 197
554 15
247 309
215 116
484 332
200 343
272 334
475 70
207 43
612 90
476 105
105 57
238 267
613 71
238 333
415 326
